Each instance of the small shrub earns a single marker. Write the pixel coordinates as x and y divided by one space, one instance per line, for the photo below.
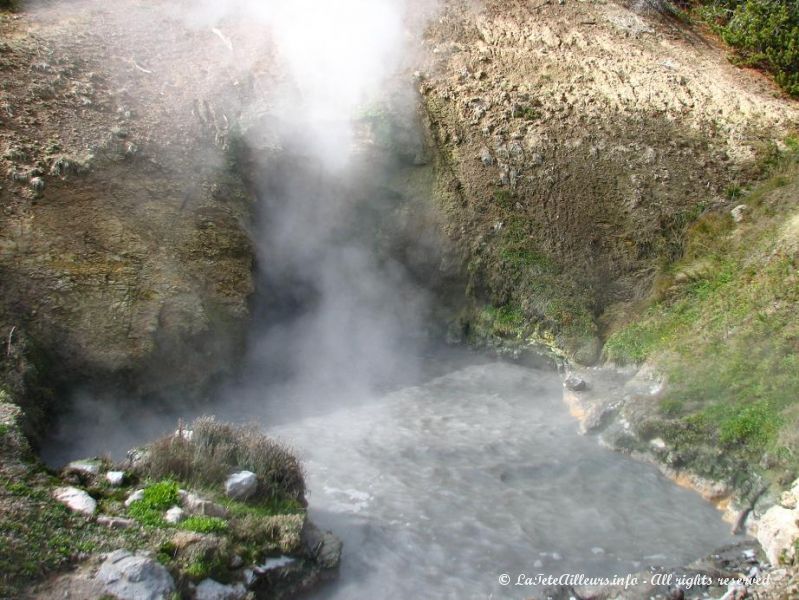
216 449
766 32
161 495
754 425
763 32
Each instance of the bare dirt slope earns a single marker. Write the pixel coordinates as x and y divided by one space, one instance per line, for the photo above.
579 138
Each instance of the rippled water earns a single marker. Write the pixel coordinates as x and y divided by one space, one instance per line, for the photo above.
439 488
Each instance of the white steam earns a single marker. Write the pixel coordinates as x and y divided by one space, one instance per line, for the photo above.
336 56
337 318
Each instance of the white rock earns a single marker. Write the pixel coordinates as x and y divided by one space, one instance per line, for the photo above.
134 497
738 213
135 577
788 499
87 467
208 589
185 434
115 522
241 485
115 478
196 505
777 531
275 563
76 500
174 515
658 443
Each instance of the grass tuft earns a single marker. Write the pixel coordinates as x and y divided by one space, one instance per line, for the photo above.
215 450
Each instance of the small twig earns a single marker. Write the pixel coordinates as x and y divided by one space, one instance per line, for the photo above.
540 5
10 338
139 67
224 38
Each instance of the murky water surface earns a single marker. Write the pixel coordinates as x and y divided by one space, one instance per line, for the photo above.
437 489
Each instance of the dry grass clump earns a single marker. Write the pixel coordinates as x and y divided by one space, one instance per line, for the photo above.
282 532
206 453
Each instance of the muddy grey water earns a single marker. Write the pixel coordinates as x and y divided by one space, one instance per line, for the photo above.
437 489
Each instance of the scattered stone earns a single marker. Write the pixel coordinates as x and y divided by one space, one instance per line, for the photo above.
76 499
37 184
241 485
735 591
777 531
739 213
574 383
115 522
84 467
485 157
274 563
19 176
323 546
115 478
196 505
183 539
15 154
184 433
64 165
658 443
788 499
135 577
208 589
134 497
174 515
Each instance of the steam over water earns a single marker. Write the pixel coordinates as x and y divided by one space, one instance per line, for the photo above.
438 489
440 470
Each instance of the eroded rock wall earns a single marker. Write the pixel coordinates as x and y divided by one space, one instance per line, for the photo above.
577 140
124 243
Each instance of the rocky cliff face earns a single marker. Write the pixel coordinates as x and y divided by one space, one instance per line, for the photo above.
124 249
577 140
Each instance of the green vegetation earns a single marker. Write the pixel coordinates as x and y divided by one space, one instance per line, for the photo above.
505 321
763 32
158 498
266 508
533 302
203 524
721 324
203 567
528 113
38 535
